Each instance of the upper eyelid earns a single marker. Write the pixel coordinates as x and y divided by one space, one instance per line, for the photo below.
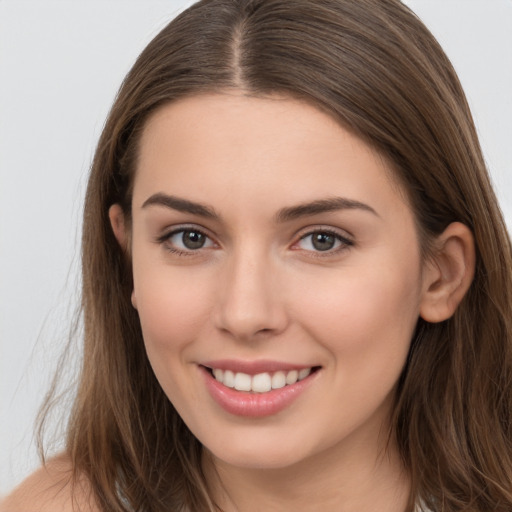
172 230
309 230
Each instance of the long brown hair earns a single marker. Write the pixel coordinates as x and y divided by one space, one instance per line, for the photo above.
376 69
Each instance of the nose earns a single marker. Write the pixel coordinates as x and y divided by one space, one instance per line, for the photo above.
250 302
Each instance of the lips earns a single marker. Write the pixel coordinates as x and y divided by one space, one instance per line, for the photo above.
256 389
261 382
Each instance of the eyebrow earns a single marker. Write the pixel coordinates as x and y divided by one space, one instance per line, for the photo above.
181 205
287 214
331 204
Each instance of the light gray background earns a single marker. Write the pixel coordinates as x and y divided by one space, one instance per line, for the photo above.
61 63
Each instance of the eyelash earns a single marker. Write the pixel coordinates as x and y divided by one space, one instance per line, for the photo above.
344 242
165 238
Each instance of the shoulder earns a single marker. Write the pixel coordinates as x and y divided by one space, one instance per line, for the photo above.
50 489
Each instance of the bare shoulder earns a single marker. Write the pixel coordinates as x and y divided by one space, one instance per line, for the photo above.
50 489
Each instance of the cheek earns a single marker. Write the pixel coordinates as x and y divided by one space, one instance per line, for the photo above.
366 317
172 307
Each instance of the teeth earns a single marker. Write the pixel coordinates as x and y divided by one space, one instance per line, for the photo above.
304 373
291 377
229 379
242 382
260 383
278 380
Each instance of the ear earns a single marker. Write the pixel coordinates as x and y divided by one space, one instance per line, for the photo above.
117 221
448 274
119 227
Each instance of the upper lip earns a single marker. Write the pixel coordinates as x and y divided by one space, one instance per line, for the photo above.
253 367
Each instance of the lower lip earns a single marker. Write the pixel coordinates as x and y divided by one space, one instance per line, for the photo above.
255 405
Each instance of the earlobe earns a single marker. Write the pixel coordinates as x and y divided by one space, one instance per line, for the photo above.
117 221
449 273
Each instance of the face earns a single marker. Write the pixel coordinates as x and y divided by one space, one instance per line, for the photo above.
277 277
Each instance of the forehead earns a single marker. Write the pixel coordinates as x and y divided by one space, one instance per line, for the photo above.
216 145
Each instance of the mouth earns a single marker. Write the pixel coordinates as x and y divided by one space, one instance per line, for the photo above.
257 389
261 382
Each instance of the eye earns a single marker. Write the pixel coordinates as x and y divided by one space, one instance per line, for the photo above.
186 240
323 241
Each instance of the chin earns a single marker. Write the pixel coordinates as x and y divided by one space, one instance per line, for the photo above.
259 452
259 459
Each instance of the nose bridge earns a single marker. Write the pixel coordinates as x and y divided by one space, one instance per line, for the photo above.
250 302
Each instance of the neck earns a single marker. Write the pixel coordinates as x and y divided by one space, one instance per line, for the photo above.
351 477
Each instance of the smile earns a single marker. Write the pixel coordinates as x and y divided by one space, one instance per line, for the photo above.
255 392
261 382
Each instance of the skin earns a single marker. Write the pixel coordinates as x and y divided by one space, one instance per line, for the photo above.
49 489
259 289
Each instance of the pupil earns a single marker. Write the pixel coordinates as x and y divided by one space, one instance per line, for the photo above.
323 241
193 240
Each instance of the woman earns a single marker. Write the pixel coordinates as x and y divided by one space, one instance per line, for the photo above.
296 278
